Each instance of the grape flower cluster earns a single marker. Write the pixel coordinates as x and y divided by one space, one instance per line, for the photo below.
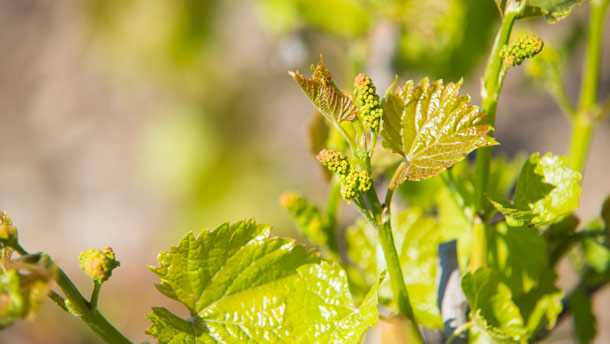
353 183
98 264
365 94
525 47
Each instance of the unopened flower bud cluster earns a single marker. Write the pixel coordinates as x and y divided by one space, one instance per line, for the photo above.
98 264
368 101
353 183
525 47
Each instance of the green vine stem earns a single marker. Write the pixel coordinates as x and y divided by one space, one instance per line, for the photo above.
583 124
380 218
76 304
490 92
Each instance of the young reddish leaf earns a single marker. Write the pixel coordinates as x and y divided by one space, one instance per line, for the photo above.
325 96
432 127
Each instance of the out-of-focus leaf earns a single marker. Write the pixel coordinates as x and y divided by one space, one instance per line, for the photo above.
596 255
318 134
584 318
11 302
432 127
555 10
307 217
346 18
559 236
241 286
24 286
325 96
547 190
605 213
416 237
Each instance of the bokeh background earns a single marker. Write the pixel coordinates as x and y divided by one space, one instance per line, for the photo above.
130 122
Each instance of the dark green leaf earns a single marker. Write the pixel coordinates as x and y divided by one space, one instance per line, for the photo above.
432 127
584 318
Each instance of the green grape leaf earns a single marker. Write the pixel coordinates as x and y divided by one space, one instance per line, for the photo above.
240 286
432 127
416 237
547 190
320 307
24 286
325 96
494 312
555 10
307 217
520 272
583 317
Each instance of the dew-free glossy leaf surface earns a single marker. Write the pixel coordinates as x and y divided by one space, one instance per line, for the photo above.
432 127
325 96
547 190
240 286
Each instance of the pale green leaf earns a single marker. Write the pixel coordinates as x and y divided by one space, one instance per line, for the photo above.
320 307
325 96
547 190
432 127
416 237
241 286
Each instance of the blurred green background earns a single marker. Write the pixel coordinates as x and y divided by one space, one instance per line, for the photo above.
130 122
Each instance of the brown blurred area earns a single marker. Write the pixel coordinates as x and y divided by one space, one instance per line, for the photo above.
129 123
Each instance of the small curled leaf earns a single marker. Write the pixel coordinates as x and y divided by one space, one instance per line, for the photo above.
325 96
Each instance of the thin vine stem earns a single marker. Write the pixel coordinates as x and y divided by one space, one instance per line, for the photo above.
77 305
583 124
492 86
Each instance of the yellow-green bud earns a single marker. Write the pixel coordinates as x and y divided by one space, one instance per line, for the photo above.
354 184
525 47
368 101
98 264
8 232
335 161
